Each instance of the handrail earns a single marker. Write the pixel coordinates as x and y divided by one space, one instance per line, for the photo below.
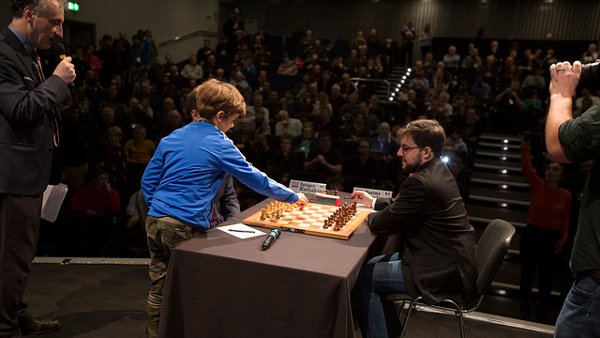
187 37
356 80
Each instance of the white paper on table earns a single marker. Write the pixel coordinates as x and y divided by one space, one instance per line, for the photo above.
240 230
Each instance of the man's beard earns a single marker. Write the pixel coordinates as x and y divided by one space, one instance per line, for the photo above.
410 168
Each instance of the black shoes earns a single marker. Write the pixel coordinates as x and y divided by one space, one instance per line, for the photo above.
32 326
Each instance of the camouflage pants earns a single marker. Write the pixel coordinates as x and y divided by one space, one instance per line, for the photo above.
163 235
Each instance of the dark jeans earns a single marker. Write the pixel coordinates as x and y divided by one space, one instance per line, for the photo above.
381 276
580 314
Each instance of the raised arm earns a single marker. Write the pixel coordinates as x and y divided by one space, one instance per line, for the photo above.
563 83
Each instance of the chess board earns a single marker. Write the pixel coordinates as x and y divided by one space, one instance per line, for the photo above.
310 221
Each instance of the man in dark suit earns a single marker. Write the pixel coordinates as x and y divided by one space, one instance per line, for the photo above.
437 258
29 136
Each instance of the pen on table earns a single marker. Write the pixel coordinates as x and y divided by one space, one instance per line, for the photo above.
236 230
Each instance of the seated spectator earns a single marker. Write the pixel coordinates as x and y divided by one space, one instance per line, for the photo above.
209 67
473 60
459 147
337 100
115 160
358 129
139 151
172 121
324 123
287 67
284 161
257 104
374 109
586 103
249 70
363 164
238 81
192 70
480 87
96 135
384 143
591 54
324 159
372 120
412 106
586 94
94 207
259 124
97 197
451 60
262 58
419 83
241 135
534 81
306 141
321 100
352 62
286 125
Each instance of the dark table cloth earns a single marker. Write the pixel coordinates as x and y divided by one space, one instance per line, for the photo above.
221 286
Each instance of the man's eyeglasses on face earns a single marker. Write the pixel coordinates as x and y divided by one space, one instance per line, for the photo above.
406 149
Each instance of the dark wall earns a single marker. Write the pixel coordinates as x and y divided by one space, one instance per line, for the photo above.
508 19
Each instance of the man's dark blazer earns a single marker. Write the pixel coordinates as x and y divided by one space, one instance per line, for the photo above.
26 133
226 203
438 243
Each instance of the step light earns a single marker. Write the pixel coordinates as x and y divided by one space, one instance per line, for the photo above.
503 205
503 186
505 141
503 171
503 158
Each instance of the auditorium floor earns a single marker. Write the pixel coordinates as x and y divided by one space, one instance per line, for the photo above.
106 300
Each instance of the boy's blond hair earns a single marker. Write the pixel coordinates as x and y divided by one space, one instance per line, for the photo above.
214 96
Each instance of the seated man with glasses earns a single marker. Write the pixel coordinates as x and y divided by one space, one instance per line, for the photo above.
438 244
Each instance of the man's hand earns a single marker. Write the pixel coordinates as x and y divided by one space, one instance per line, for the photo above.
302 200
363 198
65 70
564 78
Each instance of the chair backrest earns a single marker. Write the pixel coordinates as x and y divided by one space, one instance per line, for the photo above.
490 252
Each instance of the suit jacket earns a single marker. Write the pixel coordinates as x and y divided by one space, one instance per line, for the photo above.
226 203
26 117
438 243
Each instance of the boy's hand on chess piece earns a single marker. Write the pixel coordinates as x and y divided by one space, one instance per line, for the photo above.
302 200
362 198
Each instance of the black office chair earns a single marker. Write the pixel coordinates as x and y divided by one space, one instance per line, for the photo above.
490 252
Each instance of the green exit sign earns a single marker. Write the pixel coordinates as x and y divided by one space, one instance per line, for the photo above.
73 6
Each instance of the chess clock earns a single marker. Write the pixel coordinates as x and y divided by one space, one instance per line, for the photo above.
327 199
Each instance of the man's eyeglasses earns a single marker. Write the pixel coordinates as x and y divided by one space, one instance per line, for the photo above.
406 149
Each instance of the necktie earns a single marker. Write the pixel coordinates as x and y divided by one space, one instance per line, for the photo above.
55 114
38 66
